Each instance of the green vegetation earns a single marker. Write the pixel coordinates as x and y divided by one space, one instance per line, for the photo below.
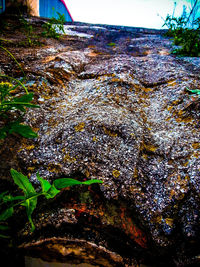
11 55
31 38
51 27
50 30
188 38
14 101
195 91
30 196
13 108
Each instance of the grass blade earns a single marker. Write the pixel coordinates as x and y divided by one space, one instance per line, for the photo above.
11 55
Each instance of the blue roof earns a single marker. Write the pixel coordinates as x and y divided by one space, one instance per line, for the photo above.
49 9
2 6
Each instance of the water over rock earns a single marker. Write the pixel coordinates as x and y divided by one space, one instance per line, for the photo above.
113 106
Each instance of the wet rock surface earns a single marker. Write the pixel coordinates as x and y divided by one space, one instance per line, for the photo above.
113 106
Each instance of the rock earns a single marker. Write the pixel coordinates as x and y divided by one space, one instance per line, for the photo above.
120 114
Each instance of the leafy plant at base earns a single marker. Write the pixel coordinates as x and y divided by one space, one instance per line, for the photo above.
11 122
51 27
12 109
30 196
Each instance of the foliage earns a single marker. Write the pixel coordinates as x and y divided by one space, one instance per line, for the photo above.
51 27
187 38
12 109
29 198
195 91
31 38
11 55
175 25
13 105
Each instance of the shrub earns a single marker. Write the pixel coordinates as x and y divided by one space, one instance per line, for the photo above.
53 25
187 38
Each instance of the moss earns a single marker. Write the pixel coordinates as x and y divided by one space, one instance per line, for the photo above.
116 173
147 90
54 167
94 139
147 147
68 158
31 169
85 197
169 221
79 127
171 83
110 133
25 145
87 173
196 145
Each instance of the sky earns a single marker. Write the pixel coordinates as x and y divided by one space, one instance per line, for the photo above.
136 13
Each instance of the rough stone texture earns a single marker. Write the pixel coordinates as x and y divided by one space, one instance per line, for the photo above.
114 107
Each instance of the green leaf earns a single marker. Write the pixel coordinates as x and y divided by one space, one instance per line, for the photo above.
23 183
31 196
16 104
24 98
4 236
66 182
9 198
12 56
30 203
23 130
3 132
44 183
52 192
196 91
3 194
30 207
18 107
19 104
93 181
6 214
3 227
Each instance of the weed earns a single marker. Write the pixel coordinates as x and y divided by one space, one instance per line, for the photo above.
31 38
195 91
187 38
13 108
54 25
12 56
30 196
